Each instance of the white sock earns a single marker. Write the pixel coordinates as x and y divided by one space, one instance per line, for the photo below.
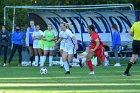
50 60
66 66
43 61
61 62
40 59
36 59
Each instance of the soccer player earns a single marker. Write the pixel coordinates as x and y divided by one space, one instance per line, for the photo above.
29 39
4 40
49 41
135 32
70 46
116 43
17 38
37 35
96 48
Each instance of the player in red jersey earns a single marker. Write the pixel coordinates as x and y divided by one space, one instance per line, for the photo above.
96 47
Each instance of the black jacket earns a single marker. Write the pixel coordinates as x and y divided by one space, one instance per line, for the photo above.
4 38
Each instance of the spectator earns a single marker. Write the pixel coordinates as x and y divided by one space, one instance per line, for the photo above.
4 40
17 37
116 43
29 39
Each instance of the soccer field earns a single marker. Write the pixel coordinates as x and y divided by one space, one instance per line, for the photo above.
106 80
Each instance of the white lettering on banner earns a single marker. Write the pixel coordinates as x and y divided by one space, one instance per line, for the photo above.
102 20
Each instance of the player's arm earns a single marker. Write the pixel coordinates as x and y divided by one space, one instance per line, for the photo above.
76 43
58 41
132 31
97 44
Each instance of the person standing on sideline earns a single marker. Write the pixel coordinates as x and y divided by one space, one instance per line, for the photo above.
70 46
4 40
116 43
96 48
17 38
49 40
135 32
37 35
29 39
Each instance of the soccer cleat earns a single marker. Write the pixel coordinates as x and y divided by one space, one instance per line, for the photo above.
4 65
125 74
117 65
91 73
70 66
80 63
68 72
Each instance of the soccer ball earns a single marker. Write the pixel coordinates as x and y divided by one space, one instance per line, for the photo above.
43 71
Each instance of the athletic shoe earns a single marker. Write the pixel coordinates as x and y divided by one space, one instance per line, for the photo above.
81 64
68 72
91 73
125 74
106 62
4 65
7 64
117 65
70 66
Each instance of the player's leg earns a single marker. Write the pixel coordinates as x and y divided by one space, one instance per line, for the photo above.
71 52
51 56
136 51
100 54
31 51
12 53
64 58
61 62
20 54
40 50
5 54
44 57
89 62
36 56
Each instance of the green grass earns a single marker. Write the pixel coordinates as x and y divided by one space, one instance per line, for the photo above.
106 80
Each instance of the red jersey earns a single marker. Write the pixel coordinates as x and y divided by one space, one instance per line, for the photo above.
93 37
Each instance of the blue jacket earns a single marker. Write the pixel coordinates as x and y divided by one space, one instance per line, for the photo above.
17 37
116 39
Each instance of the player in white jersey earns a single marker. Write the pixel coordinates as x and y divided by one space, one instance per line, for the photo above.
62 46
36 37
71 46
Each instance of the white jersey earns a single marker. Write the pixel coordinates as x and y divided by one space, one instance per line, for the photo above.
67 37
38 35
62 44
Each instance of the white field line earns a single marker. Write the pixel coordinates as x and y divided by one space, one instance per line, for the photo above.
35 78
66 84
70 91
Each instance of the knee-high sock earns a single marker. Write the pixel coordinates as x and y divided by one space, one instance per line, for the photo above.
50 60
89 63
36 59
61 62
128 67
43 61
66 66
103 59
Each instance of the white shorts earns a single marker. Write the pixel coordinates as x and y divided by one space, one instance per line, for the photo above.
36 45
62 46
46 48
70 50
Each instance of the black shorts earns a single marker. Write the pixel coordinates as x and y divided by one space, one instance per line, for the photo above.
30 44
136 46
